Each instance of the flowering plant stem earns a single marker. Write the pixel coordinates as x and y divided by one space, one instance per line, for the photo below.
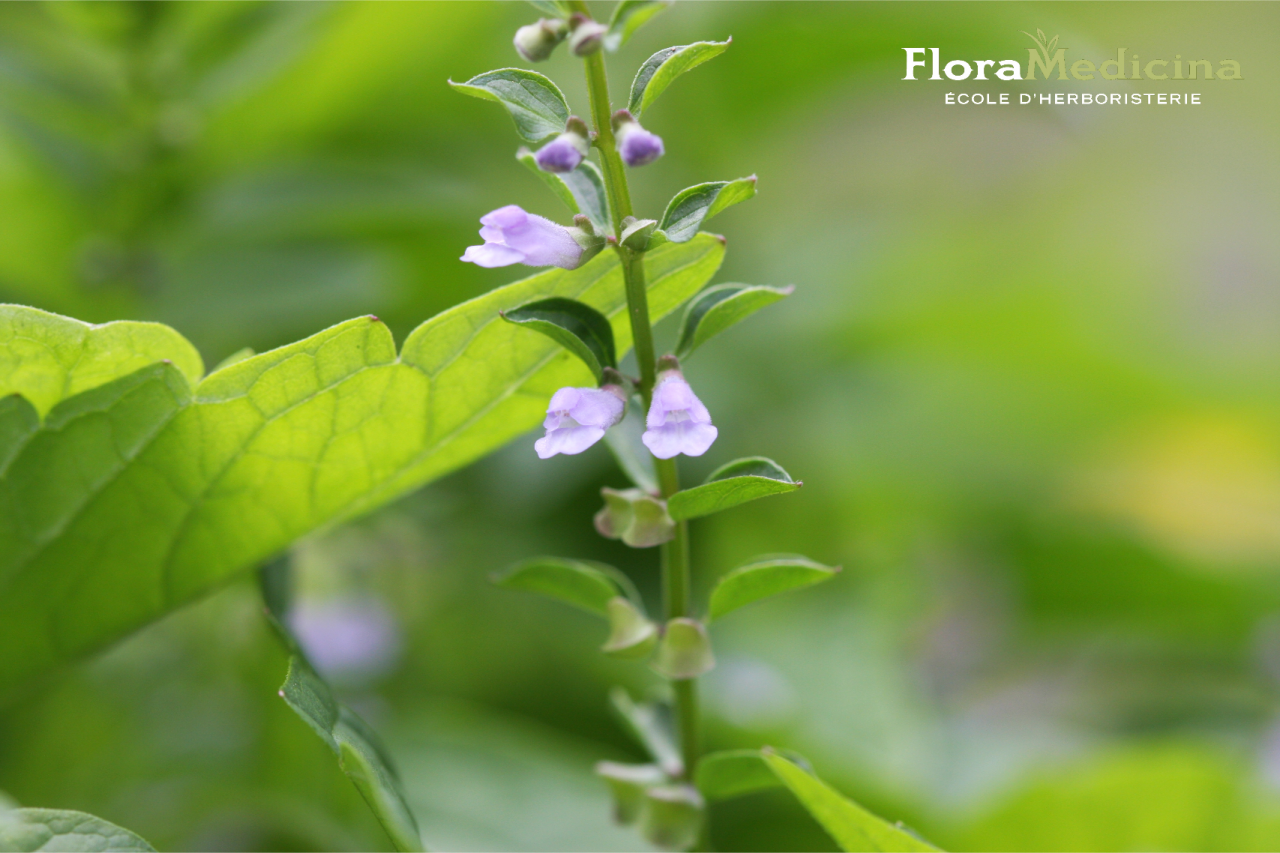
675 554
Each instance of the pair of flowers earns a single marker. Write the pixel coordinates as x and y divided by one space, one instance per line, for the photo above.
677 421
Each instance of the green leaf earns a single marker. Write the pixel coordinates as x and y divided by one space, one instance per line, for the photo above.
553 8
627 783
717 308
29 830
693 206
576 326
657 72
672 816
360 755
213 481
735 772
734 483
536 104
582 190
47 358
585 584
624 441
651 725
764 579
852 827
18 422
628 16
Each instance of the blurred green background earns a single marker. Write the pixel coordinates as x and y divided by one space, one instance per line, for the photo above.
1030 376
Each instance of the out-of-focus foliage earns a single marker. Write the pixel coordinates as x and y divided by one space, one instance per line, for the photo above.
1029 375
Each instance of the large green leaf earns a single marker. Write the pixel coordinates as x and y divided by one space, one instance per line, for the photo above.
658 71
852 827
360 754
31 830
765 578
694 205
142 494
536 104
717 308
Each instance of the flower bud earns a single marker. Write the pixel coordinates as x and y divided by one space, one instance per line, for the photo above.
672 816
566 151
634 516
587 36
637 146
684 651
628 783
535 42
631 635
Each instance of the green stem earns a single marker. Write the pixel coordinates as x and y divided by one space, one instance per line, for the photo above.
675 554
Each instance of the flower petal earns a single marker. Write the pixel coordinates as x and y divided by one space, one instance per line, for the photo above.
691 439
567 441
492 255
510 216
597 408
544 243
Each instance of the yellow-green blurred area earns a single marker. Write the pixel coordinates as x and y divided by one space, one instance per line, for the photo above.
1030 377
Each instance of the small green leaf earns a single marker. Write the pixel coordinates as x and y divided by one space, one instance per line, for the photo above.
735 772
624 440
631 635
764 579
360 754
584 584
536 104
657 72
651 725
852 827
30 830
693 206
554 8
684 650
48 358
628 16
582 190
734 483
717 308
576 326
627 783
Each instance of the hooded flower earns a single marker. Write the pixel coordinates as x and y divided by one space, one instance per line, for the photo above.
677 421
512 236
637 146
566 151
577 418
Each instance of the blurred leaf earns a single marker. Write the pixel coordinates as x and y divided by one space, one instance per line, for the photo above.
627 783
635 516
269 449
535 103
693 206
554 8
672 816
624 440
651 725
659 70
852 827
47 358
733 483
238 355
628 16
360 755
577 327
30 830
18 422
765 579
582 190
735 772
717 308
586 585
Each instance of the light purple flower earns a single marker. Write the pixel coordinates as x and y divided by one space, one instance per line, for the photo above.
562 154
577 418
677 421
638 146
347 639
512 236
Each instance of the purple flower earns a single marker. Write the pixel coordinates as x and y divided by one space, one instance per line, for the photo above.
637 146
512 236
347 639
677 421
562 154
578 417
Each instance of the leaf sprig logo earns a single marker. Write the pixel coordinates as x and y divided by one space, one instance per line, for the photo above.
1046 48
